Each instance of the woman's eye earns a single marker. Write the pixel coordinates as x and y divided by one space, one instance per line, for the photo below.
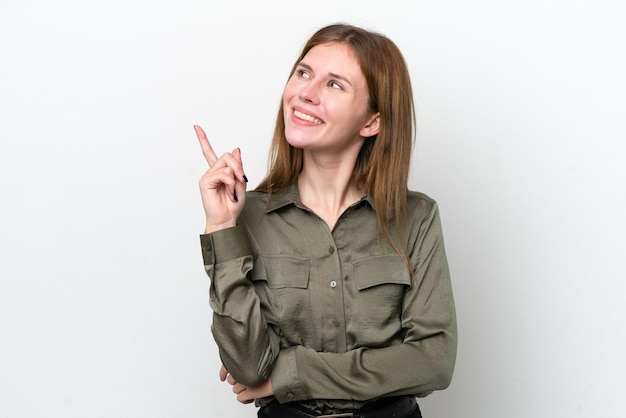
303 74
335 85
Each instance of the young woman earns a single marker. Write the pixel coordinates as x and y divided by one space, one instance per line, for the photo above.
329 283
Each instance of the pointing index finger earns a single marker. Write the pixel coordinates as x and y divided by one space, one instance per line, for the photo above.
207 149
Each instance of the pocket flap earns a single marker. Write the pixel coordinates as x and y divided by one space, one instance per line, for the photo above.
287 271
374 271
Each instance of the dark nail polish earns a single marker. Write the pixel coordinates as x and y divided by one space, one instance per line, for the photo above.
245 178
235 196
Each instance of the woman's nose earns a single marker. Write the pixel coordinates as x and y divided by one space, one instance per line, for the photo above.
309 93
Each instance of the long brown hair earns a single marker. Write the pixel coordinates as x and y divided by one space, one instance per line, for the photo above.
382 167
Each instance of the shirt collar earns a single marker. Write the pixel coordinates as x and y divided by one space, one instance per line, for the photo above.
290 196
287 196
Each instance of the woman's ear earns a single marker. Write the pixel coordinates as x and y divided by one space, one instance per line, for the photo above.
372 127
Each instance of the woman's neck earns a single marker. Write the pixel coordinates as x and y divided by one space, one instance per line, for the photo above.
327 187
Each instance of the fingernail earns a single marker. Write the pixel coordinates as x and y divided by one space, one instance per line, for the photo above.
245 178
235 196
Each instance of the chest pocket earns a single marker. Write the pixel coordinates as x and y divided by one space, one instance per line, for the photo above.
287 281
381 283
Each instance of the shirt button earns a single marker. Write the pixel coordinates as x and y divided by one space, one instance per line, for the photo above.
336 323
333 284
289 395
331 249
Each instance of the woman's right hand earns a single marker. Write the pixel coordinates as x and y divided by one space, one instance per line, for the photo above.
222 187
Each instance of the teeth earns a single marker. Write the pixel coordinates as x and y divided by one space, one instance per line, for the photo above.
306 117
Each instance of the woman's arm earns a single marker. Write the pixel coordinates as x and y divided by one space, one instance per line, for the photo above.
245 342
248 345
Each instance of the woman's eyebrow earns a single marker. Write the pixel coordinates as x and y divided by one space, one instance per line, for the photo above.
339 76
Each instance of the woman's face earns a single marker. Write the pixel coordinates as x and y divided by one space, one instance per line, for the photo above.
325 102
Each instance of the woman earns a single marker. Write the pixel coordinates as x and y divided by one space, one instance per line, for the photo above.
329 283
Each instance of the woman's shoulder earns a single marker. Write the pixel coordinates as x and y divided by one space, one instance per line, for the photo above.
254 208
419 198
254 195
256 201
422 210
420 204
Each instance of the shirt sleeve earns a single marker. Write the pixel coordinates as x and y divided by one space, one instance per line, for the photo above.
247 345
422 363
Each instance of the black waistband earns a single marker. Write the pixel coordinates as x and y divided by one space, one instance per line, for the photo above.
385 408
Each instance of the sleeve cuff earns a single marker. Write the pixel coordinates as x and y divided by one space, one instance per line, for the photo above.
285 380
224 245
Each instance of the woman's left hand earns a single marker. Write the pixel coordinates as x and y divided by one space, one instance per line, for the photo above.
246 394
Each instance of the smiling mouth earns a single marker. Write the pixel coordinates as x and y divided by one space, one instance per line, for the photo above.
306 117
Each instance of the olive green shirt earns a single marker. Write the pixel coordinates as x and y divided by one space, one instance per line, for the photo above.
334 318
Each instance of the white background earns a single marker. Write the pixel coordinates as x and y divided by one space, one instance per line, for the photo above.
103 298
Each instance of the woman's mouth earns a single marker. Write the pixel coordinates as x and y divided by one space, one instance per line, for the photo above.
301 115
